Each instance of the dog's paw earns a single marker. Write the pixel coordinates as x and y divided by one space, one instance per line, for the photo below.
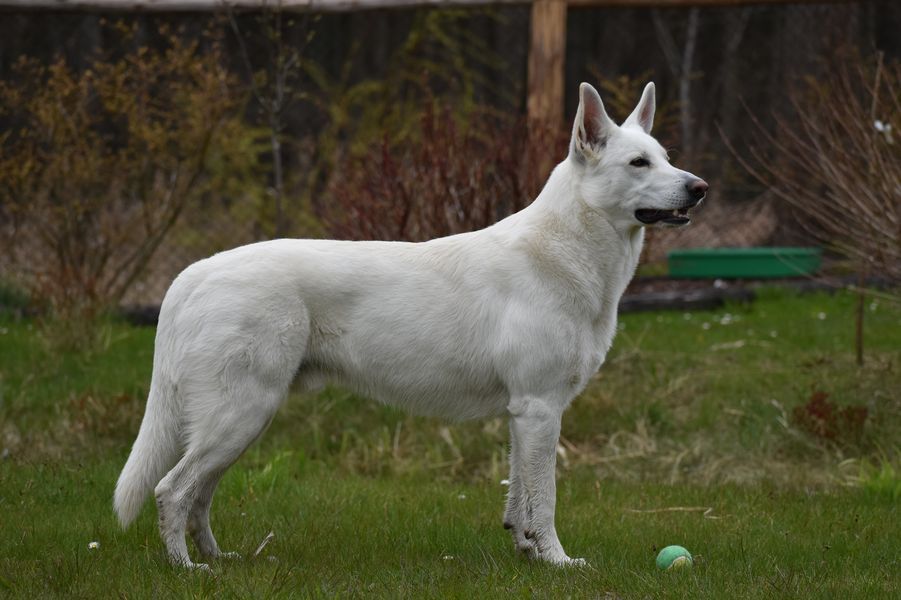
558 558
573 562
526 547
521 539
199 568
567 562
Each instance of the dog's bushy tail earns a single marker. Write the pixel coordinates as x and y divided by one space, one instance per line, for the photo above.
153 454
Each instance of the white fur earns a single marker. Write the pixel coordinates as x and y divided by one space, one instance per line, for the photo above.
513 319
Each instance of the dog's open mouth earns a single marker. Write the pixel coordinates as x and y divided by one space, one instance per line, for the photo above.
677 216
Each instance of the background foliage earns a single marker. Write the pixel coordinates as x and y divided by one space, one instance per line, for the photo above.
99 165
312 126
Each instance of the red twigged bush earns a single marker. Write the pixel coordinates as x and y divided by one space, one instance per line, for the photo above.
827 421
455 177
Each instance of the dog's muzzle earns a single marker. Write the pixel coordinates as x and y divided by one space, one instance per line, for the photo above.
697 189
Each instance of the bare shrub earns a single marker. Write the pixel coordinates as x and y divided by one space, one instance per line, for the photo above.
836 160
99 165
449 179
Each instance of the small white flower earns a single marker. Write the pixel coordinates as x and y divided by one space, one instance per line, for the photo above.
885 129
821 316
726 319
93 545
447 557
873 306
461 497
505 482
705 326
773 333
687 316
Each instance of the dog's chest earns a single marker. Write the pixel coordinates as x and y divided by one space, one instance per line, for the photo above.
596 341
600 329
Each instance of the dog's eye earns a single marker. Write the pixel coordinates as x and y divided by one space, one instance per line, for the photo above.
640 162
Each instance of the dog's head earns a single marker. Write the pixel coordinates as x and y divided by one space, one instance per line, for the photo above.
623 171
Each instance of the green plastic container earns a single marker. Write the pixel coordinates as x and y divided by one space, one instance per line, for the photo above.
750 263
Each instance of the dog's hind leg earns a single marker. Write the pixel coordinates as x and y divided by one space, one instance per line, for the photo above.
199 520
174 497
185 494
226 409
208 476
209 470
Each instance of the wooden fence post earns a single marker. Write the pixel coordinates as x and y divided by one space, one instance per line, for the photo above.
546 54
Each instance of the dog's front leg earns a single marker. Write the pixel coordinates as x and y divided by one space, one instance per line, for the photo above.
516 517
535 429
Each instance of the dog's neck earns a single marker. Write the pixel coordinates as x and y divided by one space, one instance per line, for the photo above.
595 255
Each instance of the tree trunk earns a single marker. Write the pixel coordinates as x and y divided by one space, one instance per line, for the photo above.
546 55
686 72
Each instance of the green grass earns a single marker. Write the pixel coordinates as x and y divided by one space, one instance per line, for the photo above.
412 536
364 500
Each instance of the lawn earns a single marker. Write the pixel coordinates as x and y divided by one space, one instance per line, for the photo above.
747 435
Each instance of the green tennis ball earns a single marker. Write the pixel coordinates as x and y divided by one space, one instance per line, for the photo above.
673 557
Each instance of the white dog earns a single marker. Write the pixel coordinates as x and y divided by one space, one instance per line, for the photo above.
513 319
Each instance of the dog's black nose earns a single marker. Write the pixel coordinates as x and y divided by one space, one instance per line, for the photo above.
697 188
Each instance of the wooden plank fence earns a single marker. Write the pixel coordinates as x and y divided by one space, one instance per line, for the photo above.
548 26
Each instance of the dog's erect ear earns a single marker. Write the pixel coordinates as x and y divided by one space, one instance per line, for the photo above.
643 115
592 126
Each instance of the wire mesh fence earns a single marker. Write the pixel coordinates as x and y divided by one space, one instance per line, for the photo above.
364 83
